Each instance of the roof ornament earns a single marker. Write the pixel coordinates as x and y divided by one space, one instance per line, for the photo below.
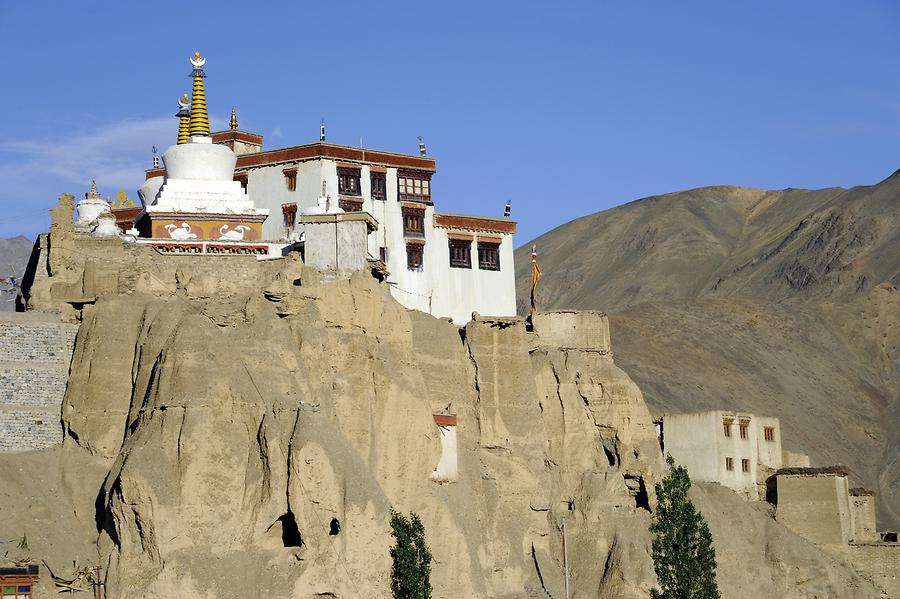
184 115
322 131
422 151
233 124
507 210
92 194
199 123
155 158
197 60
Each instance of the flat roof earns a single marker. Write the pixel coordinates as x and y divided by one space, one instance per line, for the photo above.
321 149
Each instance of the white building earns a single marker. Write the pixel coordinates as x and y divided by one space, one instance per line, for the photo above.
734 449
445 264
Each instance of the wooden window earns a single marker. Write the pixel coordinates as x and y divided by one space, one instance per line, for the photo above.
379 187
348 181
745 465
769 433
351 204
744 426
729 464
414 256
290 178
289 215
413 222
488 256
726 423
460 253
242 178
414 185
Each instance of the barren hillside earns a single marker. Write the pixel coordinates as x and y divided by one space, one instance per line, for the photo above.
780 302
14 252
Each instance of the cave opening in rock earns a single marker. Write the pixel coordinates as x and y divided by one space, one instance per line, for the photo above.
335 527
641 498
290 534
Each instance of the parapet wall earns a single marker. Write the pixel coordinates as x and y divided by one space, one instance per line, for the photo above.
35 352
573 329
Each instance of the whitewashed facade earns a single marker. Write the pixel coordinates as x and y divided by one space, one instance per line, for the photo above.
464 263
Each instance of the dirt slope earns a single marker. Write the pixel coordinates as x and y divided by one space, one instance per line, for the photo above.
779 302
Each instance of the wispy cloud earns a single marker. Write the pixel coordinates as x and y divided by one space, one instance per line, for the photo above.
276 132
35 171
116 155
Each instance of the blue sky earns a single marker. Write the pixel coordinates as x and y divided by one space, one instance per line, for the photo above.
563 108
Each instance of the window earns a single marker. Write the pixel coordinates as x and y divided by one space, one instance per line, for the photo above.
413 222
729 464
727 424
348 181
414 254
242 179
745 465
290 178
769 432
289 215
488 255
382 254
414 185
379 187
351 204
744 425
460 253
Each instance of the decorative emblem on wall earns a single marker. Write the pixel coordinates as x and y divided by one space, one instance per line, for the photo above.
180 233
235 234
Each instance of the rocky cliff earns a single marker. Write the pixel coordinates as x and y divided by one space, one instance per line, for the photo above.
240 428
781 303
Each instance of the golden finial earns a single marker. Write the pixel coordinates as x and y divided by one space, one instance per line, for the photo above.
184 124
199 120
233 119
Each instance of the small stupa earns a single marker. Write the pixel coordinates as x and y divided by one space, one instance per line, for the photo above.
199 199
91 206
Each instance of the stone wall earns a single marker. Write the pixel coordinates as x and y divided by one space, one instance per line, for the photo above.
571 329
880 563
35 352
815 506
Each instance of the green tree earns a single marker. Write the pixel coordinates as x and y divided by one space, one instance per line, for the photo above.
411 570
683 554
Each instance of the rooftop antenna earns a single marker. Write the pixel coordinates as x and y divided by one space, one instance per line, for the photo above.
155 158
507 210
322 131
422 151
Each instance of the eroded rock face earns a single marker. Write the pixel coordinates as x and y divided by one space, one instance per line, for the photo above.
256 426
242 432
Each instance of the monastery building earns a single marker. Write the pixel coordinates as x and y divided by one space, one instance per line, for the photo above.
344 208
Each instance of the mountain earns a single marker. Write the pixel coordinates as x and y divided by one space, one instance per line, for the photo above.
781 303
14 253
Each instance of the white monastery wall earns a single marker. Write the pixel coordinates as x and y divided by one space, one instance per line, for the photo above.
738 449
267 188
688 438
770 452
458 290
436 288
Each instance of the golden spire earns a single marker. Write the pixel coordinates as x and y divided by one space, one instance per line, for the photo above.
184 115
233 123
199 124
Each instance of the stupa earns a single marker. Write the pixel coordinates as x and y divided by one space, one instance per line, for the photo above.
199 199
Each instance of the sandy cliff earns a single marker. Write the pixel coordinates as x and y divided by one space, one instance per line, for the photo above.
239 428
